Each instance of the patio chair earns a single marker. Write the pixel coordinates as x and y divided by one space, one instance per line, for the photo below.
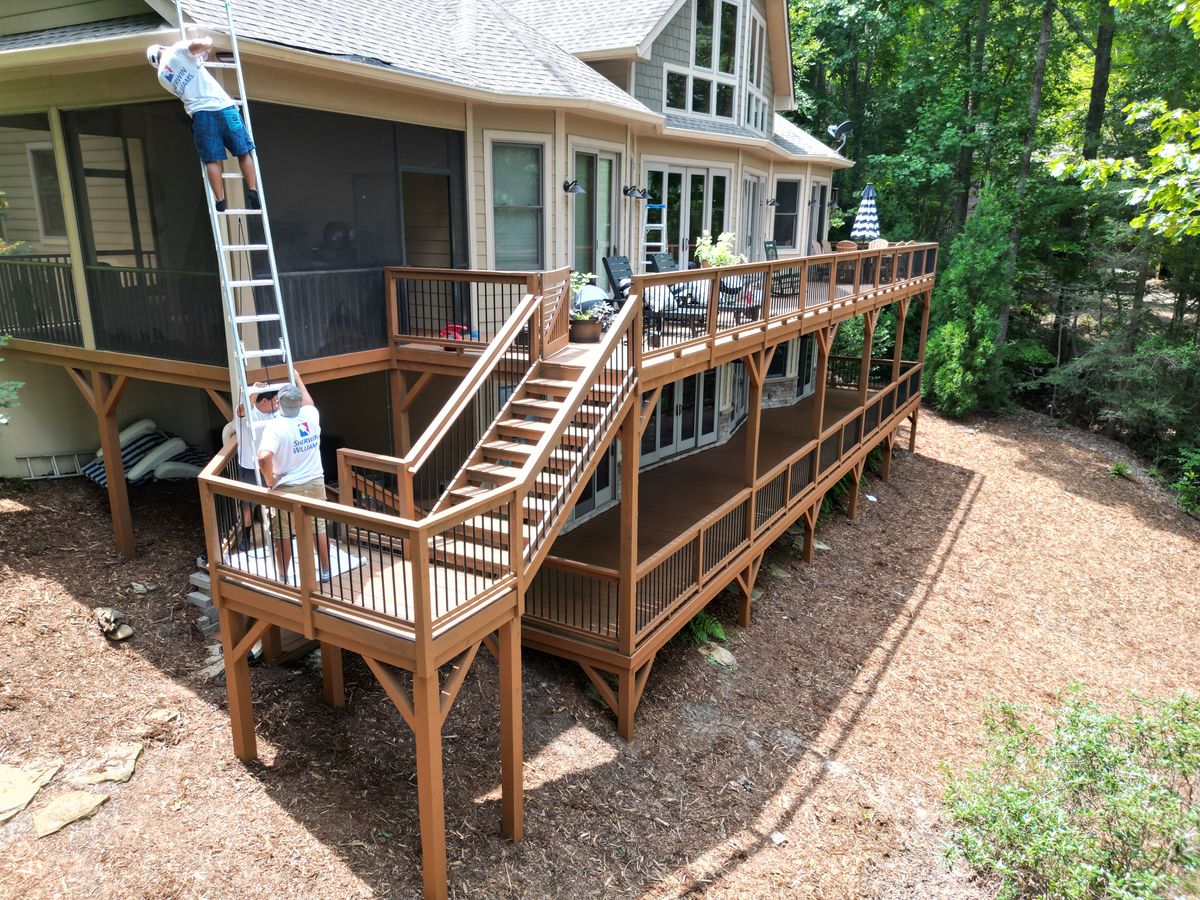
620 276
771 250
846 246
878 244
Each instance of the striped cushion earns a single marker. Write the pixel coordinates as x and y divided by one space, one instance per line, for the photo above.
135 451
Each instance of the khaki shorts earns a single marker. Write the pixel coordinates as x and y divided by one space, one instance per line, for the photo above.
281 522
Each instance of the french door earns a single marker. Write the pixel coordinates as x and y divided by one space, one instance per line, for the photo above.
684 418
684 202
753 188
595 210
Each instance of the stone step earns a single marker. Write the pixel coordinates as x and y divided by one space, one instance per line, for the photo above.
200 600
201 582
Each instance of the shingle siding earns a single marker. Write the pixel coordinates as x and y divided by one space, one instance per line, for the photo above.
673 46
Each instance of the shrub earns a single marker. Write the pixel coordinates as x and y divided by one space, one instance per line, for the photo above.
1188 484
1102 806
705 627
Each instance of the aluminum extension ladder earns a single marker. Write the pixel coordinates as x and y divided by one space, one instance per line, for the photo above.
249 301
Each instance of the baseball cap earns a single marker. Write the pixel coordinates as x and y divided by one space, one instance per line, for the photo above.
290 401
152 54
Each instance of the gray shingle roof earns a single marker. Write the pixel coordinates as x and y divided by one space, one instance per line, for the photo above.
798 142
78 34
589 26
476 44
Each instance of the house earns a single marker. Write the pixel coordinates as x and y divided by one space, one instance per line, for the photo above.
422 163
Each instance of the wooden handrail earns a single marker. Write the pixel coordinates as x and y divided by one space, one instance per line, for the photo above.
464 275
651 562
424 446
773 472
581 568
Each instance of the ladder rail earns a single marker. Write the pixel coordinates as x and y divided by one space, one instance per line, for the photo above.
245 246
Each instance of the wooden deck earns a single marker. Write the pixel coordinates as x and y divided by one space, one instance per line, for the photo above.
674 497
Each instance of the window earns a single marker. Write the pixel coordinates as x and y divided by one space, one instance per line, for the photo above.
779 361
787 213
710 88
757 106
49 197
518 212
816 215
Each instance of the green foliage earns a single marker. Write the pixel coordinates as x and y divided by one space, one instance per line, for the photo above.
1120 469
8 389
719 252
705 627
962 356
1187 486
1101 806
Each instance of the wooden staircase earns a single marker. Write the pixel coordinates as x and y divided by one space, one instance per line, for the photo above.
503 457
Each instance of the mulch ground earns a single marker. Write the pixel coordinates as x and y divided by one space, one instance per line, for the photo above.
1000 561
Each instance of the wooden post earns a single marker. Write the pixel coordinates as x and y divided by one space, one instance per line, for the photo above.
810 534
925 303
886 466
898 354
237 685
756 367
626 702
105 396
331 675
870 319
852 506
401 433
512 783
912 431
631 448
427 731
824 342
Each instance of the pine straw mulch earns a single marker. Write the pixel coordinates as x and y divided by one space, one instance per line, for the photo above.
1000 561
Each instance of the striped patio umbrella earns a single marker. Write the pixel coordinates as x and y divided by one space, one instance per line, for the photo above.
866 222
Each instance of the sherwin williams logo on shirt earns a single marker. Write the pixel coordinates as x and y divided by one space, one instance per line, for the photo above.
304 430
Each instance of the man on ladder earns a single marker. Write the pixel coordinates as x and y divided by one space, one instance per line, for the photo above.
216 122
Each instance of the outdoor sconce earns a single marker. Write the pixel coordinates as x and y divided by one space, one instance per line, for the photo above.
635 193
572 187
773 202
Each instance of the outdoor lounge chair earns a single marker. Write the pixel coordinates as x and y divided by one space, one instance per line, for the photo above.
732 295
785 283
620 276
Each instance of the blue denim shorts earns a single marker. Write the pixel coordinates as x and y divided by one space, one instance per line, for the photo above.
216 130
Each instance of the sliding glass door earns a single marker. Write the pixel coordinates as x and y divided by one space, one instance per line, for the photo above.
684 203
595 211
752 215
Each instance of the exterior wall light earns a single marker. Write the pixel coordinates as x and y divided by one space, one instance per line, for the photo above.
572 187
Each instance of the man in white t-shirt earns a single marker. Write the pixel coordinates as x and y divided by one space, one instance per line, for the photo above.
289 455
216 123
263 407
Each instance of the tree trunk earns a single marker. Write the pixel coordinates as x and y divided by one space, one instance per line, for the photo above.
966 154
1035 108
1095 113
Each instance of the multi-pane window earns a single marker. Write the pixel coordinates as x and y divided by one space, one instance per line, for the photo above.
757 106
709 87
787 213
49 198
518 207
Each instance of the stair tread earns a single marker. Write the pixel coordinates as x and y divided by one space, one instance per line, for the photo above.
550 407
509 447
491 471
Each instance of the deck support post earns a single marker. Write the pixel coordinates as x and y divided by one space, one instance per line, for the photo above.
886 466
745 581
103 394
631 448
427 732
870 320
825 338
810 533
332 684
856 475
401 397
912 430
925 303
756 368
898 352
512 756
237 684
626 704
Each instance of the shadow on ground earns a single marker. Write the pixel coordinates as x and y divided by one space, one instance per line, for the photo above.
713 749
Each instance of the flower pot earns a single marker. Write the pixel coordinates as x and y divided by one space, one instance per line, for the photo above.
585 331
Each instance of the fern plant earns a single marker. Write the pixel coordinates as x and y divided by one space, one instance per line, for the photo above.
705 627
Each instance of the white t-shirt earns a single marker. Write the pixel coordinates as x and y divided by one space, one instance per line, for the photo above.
184 76
256 420
295 444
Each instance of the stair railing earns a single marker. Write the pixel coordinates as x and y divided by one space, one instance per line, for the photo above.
613 371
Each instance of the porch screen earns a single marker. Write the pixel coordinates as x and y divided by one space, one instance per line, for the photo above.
37 296
518 214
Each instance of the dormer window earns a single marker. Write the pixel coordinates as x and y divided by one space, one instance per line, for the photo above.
709 86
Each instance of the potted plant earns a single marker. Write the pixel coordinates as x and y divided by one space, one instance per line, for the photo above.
579 279
719 252
588 324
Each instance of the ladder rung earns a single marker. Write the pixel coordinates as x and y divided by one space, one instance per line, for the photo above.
233 248
260 317
252 282
263 354
220 65
231 174
274 386
239 212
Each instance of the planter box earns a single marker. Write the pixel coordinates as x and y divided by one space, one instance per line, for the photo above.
585 331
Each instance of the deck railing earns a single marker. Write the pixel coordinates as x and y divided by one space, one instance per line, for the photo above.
37 299
576 597
385 570
679 313
457 307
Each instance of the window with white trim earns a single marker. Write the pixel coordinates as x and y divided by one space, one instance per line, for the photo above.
51 216
518 206
758 107
787 213
709 87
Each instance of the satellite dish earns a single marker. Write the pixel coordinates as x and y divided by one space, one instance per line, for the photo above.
840 133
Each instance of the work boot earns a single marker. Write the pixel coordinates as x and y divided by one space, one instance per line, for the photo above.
252 201
221 205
